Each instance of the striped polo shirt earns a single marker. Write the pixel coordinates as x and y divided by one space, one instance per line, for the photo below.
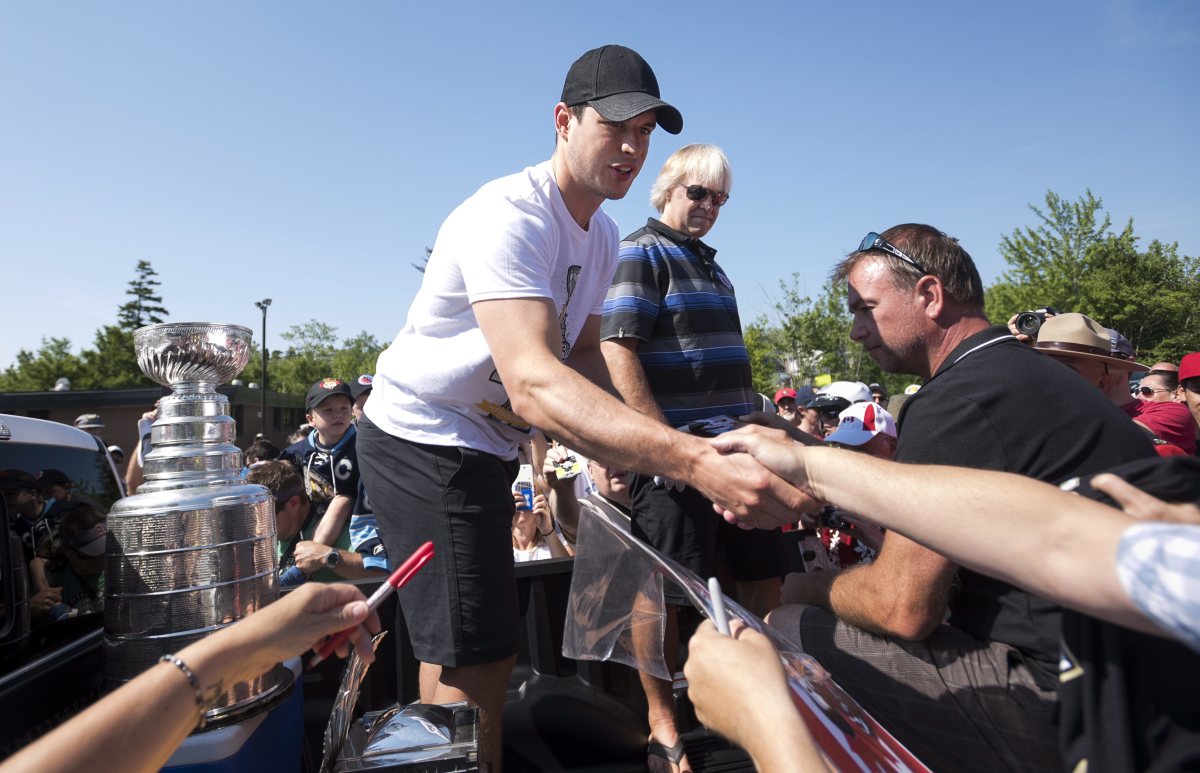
670 294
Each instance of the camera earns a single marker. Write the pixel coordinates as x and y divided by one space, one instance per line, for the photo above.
1030 322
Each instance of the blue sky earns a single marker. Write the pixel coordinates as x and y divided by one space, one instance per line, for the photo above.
308 152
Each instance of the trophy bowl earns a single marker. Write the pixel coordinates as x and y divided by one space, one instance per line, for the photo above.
176 352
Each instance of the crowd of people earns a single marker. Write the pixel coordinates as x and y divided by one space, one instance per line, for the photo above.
977 582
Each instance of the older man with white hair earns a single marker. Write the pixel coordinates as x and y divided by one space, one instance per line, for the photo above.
672 339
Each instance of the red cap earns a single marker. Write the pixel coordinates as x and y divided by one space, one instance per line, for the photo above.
1189 366
788 392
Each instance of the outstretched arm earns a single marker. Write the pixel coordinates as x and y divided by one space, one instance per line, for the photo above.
523 336
1074 538
139 726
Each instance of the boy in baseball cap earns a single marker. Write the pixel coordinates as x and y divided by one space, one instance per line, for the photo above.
328 460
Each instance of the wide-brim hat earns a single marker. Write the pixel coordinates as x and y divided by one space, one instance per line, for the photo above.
1078 335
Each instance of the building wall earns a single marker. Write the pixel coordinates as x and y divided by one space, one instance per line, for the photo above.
120 410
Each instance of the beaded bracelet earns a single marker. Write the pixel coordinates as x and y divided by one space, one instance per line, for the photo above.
192 680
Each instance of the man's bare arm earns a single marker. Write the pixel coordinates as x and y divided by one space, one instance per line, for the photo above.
523 336
629 378
903 593
336 516
586 358
1025 532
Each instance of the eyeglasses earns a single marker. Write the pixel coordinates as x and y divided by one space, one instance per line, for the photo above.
1149 391
874 241
700 193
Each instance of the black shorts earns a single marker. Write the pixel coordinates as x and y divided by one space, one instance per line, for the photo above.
461 609
683 526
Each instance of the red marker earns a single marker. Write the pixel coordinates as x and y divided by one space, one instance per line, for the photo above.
396 581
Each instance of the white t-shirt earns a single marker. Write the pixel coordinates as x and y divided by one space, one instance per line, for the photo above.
536 553
514 238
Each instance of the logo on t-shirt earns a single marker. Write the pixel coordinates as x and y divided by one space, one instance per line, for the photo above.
572 280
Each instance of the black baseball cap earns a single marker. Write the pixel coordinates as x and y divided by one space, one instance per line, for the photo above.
619 84
361 384
327 387
16 480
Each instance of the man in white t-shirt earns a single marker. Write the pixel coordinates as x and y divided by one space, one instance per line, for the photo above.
504 335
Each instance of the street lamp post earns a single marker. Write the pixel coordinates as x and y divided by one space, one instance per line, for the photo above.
262 392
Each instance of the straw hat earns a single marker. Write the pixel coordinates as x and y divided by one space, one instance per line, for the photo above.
1078 335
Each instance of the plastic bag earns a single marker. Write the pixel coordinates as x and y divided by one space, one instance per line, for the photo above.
616 612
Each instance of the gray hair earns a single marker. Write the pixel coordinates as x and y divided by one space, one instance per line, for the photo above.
702 164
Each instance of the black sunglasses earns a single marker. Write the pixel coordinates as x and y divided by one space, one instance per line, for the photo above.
874 241
700 193
1146 391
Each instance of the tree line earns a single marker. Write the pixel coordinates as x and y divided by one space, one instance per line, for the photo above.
313 352
1071 258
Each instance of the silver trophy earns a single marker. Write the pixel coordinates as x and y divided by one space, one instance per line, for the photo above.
194 550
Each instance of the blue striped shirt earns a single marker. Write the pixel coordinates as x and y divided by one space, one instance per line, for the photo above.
670 294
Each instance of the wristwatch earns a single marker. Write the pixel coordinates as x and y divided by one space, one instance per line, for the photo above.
334 558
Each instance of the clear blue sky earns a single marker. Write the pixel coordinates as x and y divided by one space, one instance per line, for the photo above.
308 152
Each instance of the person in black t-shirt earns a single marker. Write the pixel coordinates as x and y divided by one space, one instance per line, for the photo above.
979 691
1126 582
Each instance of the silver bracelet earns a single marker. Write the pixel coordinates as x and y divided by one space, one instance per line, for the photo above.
192 680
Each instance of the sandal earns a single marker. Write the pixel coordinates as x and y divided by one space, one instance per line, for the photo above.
672 754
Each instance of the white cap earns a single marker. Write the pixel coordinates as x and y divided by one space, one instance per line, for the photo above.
853 391
861 422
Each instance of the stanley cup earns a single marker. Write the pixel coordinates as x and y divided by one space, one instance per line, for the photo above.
194 550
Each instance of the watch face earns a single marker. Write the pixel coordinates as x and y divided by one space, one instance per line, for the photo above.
334 558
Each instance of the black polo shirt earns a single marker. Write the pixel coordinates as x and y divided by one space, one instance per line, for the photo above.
997 404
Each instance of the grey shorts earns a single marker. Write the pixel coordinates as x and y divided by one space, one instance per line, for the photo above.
956 702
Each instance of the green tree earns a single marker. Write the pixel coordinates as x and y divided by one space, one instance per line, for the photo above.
357 356
1074 261
111 363
38 371
811 338
308 358
762 345
145 306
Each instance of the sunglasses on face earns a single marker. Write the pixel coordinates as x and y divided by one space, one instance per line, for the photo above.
874 241
700 193
1149 391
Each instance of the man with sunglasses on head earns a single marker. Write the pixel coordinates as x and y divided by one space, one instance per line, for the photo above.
672 339
967 680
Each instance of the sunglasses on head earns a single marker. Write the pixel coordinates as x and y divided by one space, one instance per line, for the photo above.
700 193
874 241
